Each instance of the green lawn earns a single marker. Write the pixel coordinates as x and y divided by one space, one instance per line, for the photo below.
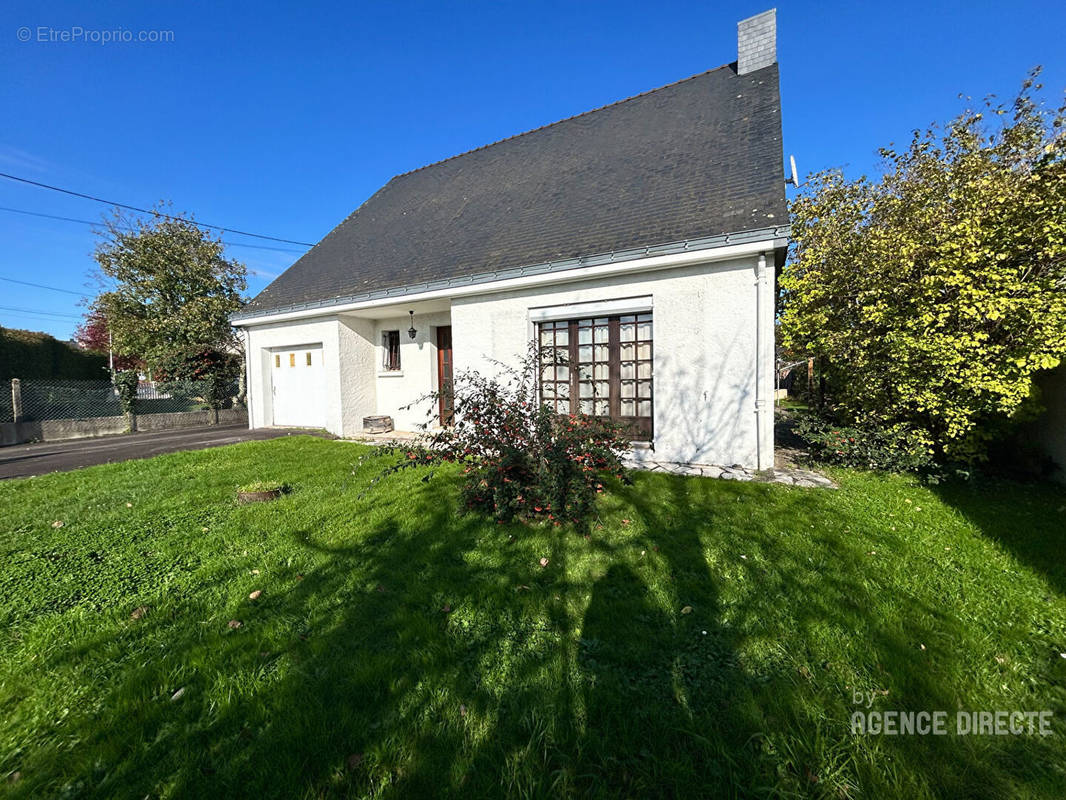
706 638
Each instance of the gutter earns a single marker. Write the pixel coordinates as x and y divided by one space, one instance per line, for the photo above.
764 361
664 256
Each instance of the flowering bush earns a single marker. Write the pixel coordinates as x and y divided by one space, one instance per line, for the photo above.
890 449
520 458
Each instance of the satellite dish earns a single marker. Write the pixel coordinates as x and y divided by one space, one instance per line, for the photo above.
794 178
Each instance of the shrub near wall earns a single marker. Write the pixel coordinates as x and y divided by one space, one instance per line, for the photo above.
30 354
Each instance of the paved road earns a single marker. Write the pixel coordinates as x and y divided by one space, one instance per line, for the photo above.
22 460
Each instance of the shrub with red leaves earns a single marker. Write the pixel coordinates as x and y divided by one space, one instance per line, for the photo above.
521 459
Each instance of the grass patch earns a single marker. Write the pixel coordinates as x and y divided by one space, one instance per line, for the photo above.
708 637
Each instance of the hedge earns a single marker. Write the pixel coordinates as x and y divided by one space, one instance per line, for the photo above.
30 354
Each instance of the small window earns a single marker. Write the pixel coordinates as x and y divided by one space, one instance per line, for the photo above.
277 360
308 358
292 359
390 350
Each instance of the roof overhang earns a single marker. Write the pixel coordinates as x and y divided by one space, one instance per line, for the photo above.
643 259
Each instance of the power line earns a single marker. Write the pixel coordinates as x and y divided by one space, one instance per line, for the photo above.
128 228
42 286
52 320
17 310
146 211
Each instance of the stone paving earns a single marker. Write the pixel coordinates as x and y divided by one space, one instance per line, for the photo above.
788 475
785 472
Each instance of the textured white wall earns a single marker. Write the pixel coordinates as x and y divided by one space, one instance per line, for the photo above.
705 371
356 363
264 337
705 351
418 369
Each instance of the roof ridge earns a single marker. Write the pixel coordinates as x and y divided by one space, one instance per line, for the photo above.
558 122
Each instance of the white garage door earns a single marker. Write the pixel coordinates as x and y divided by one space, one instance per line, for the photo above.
298 386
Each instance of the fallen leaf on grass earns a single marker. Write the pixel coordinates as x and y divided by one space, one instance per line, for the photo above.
686 610
178 694
234 624
255 595
139 612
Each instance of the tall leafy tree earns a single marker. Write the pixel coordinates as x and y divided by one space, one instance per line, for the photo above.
932 295
94 335
172 293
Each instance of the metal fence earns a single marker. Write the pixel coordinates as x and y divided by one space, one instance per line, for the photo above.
7 413
46 399
68 399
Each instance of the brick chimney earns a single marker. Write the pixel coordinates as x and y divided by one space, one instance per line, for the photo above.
757 42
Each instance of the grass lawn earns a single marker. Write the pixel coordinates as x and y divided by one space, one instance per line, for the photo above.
706 638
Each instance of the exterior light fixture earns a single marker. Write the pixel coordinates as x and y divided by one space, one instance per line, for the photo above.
411 331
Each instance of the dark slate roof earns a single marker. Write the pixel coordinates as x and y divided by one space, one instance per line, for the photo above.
694 159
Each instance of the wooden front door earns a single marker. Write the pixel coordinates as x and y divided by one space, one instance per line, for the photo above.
444 374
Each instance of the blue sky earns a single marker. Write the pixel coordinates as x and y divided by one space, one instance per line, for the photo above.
283 120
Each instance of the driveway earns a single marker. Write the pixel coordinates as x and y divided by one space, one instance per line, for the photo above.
23 460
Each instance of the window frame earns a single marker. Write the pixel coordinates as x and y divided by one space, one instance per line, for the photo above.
617 350
390 351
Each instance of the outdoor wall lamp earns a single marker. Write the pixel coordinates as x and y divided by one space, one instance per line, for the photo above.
411 331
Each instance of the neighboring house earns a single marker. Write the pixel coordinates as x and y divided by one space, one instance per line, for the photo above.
640 239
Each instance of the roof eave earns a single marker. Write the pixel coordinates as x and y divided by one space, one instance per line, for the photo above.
777 235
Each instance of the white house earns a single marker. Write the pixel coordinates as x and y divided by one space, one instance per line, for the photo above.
642 239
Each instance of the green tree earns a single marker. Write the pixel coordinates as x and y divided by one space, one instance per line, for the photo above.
173 292
933 294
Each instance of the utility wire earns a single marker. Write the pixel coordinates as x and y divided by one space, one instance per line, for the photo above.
146 211
20 315
42 286
16 310
128 228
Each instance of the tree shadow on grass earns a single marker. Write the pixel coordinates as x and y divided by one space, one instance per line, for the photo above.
421 659
781 717
428 654
1016 516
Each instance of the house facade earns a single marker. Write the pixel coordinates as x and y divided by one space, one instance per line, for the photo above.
638 244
